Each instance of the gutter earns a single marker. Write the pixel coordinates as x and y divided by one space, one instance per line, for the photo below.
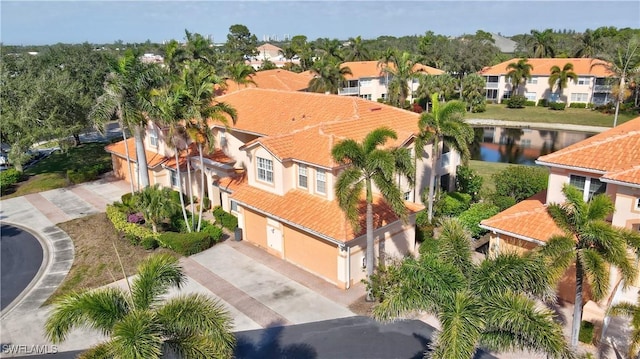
620 183
511 234
567 167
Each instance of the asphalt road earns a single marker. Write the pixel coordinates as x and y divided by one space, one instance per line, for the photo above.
20 260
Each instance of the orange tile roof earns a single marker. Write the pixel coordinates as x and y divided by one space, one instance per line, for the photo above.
631 176
276 79
615 152
542 67
268 47
360 69
313 213
118 149
528 219
231 184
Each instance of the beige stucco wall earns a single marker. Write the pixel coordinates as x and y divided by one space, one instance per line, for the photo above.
540 86
277 186
627 213
314 254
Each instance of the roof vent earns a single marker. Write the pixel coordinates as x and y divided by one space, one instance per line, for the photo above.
375 109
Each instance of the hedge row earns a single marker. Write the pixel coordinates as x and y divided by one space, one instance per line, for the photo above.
186 243
8 178
135 233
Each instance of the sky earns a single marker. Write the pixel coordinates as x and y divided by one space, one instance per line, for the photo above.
28 22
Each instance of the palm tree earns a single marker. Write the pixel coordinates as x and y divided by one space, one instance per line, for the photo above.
592 244
139 324
127 94
156 205
632 311
475 307
288 52
519 72
388 56
543 43
199 48
240 73
329 76
625 64
368 164
560 77
330 49
589 45
356 50
444 85
198 109
401 71
444 124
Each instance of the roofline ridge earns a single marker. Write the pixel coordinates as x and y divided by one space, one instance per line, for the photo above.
605 140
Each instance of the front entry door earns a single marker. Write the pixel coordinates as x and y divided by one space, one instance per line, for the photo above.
274 238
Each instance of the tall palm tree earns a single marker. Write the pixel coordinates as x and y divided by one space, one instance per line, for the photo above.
632 311
330 48
401 72
443 125
543 43
198 109
240 73
356 50
329 76
625 64
589 44
560 77
474 306
128 89
592 244
367 164
519 72
140 324
387 57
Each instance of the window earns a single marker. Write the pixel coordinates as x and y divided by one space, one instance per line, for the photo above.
223 139
638 203
506 95
532 81
492 94
366 97
265 170
531 96
407 196
383 96
174 178
153 137
492 78
365 82
583 80
589 186
234 206
579 97
302 176
321 182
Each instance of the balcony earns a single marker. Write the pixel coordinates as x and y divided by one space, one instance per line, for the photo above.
492 85
602 88
348 91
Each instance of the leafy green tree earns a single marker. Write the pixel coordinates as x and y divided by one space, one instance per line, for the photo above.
443 125
401 71
329 76
560 77
519 72
468 181
473 92
156 205
476 213
543 43
474 306
368 164
304 50
241 43
140 324
287 52
356 50
330 49
632 311
436 50
267 65
521 182
443 85
592 244
590 44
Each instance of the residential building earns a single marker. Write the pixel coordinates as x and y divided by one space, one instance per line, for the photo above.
273 169
272 53
276 79
593 85
368 80
608 162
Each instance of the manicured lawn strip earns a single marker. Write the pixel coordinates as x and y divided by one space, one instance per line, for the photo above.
572 116
486 169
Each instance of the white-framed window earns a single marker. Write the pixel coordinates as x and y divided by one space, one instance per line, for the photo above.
174 178
532 80
234 206
506 95
531 96
492 79
365 82
492 94
153 137
579 97
588 185
321 181
265 170
583 80
366 96
407 196
302 176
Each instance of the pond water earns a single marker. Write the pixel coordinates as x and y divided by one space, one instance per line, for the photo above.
520 145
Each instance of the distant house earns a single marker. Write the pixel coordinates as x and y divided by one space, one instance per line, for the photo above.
273 169
593 84
272 53
369 81
276 79
608 162
506 45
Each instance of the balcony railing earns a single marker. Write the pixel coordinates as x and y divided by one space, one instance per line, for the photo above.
348 91
492 85
602 88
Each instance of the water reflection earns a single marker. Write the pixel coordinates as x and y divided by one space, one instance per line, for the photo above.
520 145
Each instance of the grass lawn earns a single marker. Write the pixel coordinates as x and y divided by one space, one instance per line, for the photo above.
572 116
51 172
96 262
486 169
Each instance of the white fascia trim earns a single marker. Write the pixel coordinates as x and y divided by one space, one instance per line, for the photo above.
574 168
620 183
511 234
306 163
233 129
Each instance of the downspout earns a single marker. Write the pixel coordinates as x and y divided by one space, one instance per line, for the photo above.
348 267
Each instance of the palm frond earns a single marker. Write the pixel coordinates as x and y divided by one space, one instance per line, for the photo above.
404 164
99 351
100 310
596 271
600 207
377 137
455 245
381 162
558 254
156 274
562 216
392 195
462 320
348 151
138 335
349 187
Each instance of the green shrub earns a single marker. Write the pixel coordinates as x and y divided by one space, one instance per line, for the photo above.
213 231
186 243
82 175
516 101
8 178
149 243
543 102
502 202
452 204
225 219
134 232
479 107
557 106
468 181
206 203
477 212
530 103
586 332
520 182
577 105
